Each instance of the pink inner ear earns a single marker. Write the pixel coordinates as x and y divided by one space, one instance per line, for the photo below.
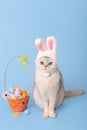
40 47
51 44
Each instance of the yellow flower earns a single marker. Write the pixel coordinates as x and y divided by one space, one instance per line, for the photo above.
24 60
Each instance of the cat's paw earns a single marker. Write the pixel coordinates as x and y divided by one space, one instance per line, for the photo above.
52 114
46 114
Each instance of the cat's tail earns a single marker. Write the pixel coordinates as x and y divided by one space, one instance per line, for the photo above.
74 93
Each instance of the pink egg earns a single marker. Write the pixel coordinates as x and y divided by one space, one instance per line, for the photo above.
17 93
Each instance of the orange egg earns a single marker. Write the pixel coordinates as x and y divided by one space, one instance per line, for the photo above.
24 93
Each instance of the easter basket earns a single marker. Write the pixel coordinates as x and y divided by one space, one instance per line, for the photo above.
17 99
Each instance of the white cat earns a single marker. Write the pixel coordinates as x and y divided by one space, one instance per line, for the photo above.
49 91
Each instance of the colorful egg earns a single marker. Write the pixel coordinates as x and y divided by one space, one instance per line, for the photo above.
16 87
13 97
24 93
26 111
17 93
11 90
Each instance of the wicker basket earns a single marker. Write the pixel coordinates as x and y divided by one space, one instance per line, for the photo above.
17 104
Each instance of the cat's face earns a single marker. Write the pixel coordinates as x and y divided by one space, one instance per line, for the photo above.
46 64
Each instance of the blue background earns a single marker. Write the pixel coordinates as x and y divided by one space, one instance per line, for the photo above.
21 22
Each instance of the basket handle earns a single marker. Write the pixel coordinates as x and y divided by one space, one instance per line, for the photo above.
13 58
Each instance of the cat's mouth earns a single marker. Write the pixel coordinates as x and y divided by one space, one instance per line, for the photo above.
46 69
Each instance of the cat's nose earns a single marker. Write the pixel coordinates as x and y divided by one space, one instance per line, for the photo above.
45 66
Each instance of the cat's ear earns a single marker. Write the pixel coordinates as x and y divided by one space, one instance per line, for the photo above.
51 43
40 45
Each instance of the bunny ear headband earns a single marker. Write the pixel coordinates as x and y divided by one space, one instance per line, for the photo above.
46 49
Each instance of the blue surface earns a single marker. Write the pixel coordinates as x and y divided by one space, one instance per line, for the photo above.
21 22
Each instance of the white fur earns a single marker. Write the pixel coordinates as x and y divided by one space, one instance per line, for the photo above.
47 84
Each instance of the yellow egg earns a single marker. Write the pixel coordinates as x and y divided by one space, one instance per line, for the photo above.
13 97
16 87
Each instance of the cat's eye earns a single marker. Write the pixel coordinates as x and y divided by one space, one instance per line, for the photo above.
41 62
50 63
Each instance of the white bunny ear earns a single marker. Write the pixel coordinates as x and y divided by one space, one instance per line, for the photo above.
51 43
40 44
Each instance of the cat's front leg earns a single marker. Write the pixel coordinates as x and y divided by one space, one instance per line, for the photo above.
45 104
52 112
46 109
